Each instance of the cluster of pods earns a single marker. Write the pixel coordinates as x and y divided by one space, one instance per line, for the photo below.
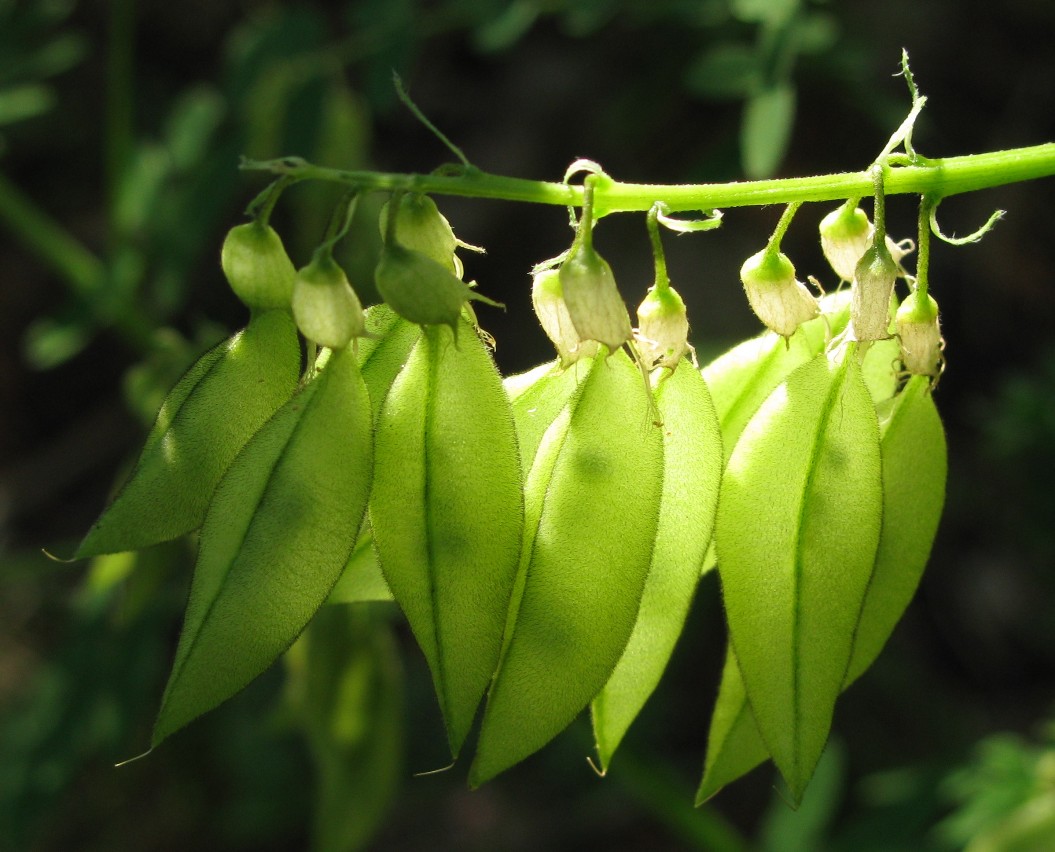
544 534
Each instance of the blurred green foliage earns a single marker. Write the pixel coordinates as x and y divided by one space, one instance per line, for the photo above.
321 751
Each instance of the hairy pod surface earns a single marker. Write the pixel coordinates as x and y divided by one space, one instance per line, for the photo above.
202 424
591 510
797 532
538 404
384 351
692 470
257 267
279 530
447 513
914 468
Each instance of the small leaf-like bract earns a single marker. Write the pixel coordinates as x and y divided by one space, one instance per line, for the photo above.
797 531
591 510
692 469
447 513
279 530
203 423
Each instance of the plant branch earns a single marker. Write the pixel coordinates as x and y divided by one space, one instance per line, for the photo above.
938 178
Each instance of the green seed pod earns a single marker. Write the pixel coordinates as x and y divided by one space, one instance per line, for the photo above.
420 289
662 328
845 236
596 309
384 352
422 228
325 306
447 513
919 333
781 302
913 452
547 297
280 528
873 286
579 584
203 423
692 469
797 534
257 266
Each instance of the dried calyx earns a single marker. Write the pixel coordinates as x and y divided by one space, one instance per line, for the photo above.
778 299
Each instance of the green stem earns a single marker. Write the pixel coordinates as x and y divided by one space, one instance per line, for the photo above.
879 213
926 206
773 246
662 281
937 177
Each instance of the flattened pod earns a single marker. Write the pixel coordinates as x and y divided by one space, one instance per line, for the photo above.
914 470
447 513
537 406
279 530
734 746
384 351
692 470
591 510
914 464
797 530
203 423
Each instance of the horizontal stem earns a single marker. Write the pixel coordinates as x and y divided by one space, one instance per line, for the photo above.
933 177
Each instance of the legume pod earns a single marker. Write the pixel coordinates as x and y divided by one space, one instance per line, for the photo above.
914 467
279 530
692 470
203 423
591 510
797 531
447 512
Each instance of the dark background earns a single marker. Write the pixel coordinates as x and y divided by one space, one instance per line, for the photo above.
121 125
